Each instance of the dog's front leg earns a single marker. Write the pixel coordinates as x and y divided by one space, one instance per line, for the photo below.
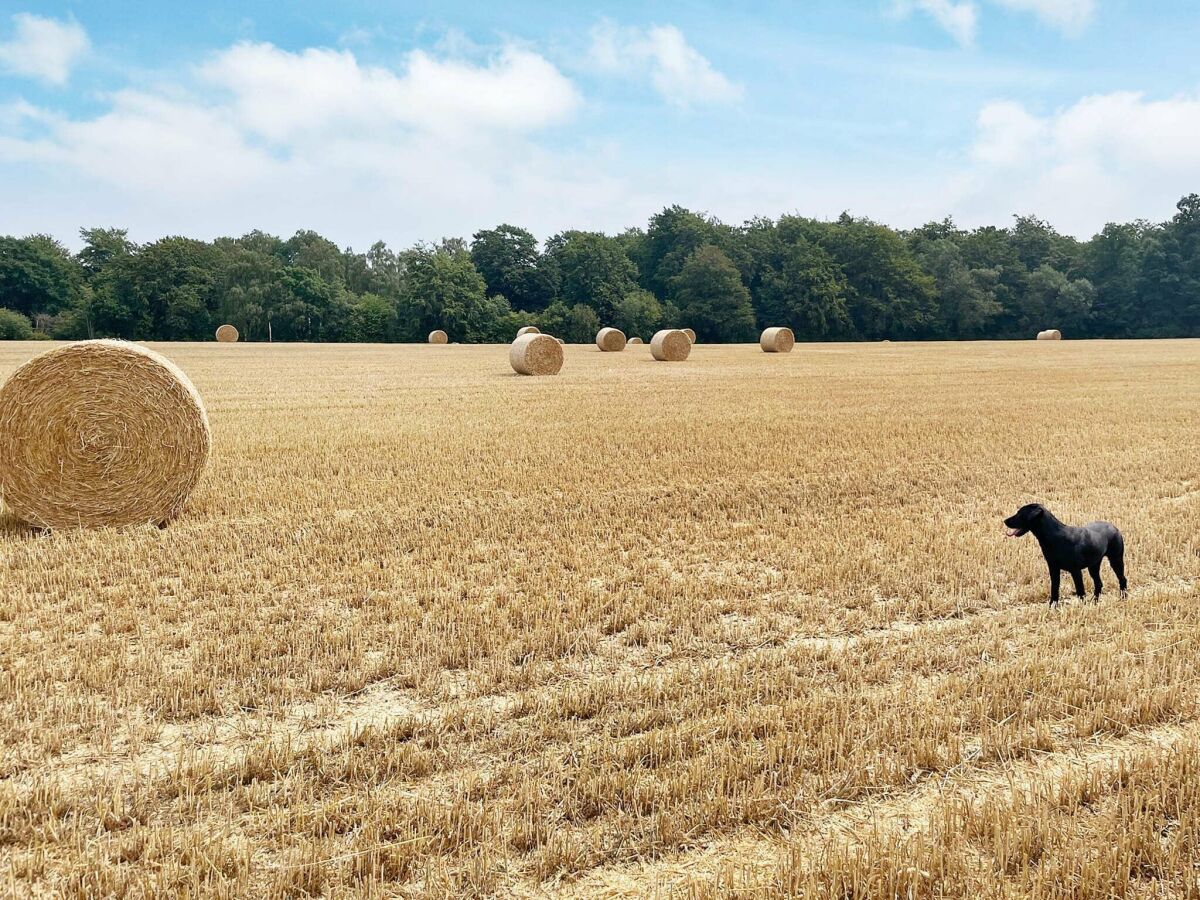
1055 577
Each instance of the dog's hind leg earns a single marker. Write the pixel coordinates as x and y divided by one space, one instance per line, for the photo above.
1077 577
1116 559
1097 584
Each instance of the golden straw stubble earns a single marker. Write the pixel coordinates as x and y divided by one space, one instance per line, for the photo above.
670 345
100 433
777 340
536 354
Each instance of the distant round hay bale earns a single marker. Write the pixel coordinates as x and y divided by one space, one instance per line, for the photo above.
777 340
610 340
227 334
635 340
691 335
438 337
100 433
560 340
536 354
1052 334
528 329
670 345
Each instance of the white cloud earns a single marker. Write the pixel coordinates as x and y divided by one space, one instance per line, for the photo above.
1066 15
259 137
282 95
46 49
960 18
678 72
1108 157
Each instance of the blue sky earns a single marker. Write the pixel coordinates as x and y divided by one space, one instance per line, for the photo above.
414 121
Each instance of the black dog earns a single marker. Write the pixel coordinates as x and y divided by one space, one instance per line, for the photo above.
1070 548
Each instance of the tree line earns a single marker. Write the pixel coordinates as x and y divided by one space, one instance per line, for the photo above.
848 279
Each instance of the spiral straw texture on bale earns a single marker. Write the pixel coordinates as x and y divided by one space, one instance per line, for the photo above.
635 340
670 345
100 433
536 354
528 329
610 340
438 337
691 335
227 334
1052 335
777 340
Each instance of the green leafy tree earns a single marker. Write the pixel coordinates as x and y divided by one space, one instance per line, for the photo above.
308 250
593 270
639 314
14 326
38 276
966 303
1114 262
443 289
372 319
1055 301
793 281
581 325
671 238
889 296
712 298
508 259
308 308
101 246
1171 273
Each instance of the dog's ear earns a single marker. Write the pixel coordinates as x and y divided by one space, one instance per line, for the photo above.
1037 512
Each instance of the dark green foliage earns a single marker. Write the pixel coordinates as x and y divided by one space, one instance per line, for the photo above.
592 269
38 276
711 297
849 279
508 259
14 326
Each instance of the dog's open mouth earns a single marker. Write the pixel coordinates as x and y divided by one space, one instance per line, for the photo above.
1016 532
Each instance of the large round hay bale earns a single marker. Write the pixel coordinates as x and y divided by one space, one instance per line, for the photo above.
691 335
670 345
536 354
777 340
528 329
1051 335
227 334
438 337
100 433
635 340
610 340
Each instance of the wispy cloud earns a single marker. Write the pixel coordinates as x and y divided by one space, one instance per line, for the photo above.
1069 16
960 18
1107 157
679 73
45 49
259 136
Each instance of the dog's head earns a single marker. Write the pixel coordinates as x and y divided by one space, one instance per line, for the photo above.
1024 519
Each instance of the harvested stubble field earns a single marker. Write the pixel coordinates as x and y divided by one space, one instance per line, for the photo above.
736 626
